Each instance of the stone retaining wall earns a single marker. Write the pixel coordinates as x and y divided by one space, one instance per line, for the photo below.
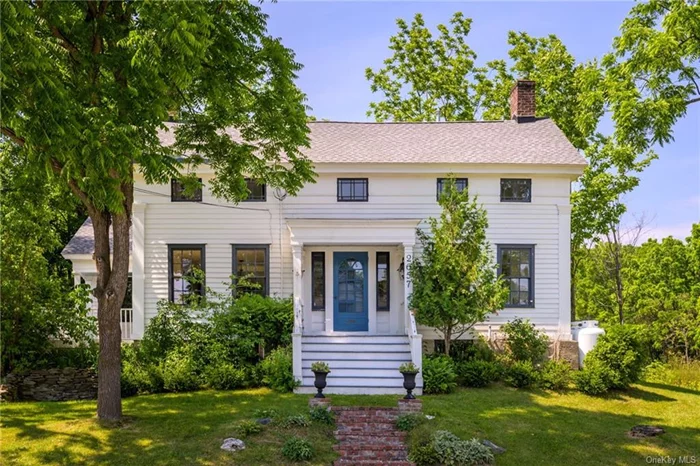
52 385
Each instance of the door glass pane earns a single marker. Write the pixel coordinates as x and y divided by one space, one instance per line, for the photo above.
351 286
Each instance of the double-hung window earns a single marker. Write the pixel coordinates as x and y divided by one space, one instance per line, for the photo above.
517 265
179 194
353 189
251 265
516 190
183 262
460 184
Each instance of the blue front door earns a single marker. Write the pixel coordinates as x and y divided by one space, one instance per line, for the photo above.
350 292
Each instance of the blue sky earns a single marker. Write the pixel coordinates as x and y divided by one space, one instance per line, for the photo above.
336 41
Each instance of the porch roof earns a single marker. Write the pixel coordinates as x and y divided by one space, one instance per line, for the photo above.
315 231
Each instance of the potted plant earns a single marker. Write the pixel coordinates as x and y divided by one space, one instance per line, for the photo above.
320 370
409 371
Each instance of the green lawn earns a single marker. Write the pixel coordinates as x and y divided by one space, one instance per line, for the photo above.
536 427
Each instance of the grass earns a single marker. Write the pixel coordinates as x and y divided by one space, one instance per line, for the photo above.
536 427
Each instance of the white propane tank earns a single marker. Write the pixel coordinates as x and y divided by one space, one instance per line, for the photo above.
586 333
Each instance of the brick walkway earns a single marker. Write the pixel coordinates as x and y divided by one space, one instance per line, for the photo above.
368 437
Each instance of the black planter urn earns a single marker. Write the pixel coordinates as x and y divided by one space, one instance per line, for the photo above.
409 383
320 383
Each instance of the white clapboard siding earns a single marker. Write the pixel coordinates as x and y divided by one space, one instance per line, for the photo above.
391 196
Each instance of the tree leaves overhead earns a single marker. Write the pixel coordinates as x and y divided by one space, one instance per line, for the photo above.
87 85
427 78
652 71
86 98
644 84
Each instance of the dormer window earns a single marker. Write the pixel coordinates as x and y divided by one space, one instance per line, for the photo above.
516 190
177 192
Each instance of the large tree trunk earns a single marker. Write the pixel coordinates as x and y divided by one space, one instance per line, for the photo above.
112 277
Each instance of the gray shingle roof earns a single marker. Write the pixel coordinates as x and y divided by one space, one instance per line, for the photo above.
83 242
478 142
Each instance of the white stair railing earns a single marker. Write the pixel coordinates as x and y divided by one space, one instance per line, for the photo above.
127 323
415 341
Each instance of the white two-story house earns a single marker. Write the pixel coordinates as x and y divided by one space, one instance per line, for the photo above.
341 246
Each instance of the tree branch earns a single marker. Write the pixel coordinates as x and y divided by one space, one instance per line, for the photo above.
693 100
10 133
65 42
79 193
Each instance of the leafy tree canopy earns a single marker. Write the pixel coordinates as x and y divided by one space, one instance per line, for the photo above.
86 86
645 84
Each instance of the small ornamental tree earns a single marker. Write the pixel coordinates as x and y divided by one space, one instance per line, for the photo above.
455 284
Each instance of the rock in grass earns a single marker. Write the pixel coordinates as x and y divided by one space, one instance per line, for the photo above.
264 421
494 448
642 431
233 444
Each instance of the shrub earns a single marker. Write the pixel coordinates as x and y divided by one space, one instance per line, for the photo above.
297 449
555 375
322 415
594 379
409 421
295 420
277 370
251 326
675 372
524 342
619 352
444 447
139 376
247 427
179 372
477 373
224 376
520 374
168 330
438 375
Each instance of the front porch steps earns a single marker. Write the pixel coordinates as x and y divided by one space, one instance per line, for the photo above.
360 364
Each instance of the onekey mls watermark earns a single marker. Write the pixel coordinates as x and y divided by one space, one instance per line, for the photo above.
690 459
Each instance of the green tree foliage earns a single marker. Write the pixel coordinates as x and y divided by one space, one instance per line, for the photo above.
87 85
645 84
455 284
660 291
39 305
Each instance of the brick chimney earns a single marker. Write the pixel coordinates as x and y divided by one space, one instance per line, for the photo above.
522 101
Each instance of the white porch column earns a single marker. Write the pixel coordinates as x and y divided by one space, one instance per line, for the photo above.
138 232
407 285
564 272
297 249
415 339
